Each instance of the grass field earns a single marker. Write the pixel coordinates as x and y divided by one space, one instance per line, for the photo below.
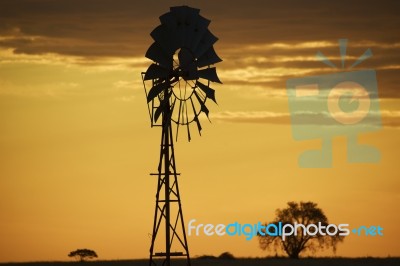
232 262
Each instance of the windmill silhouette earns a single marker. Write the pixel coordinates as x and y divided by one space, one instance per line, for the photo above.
179 81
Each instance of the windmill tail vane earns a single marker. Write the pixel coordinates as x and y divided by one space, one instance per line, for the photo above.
177 86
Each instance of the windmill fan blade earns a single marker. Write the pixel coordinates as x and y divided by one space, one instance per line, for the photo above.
155 71
210 93
157 89
199 30
156 54
204 108
196 118
170 26
188 131
186 18
208 58
171 23
169 20
205 43
209 74
164 39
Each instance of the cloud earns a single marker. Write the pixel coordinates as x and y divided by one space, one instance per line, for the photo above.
389 118
263 43
125 98
126 85
52 90
252 117
122 27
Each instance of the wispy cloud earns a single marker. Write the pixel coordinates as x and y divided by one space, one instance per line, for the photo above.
389 118
126 85
125 98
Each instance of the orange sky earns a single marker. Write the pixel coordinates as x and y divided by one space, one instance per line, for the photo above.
76 147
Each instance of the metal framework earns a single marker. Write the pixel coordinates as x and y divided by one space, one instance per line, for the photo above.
168 209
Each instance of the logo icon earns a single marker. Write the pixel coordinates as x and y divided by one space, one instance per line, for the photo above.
339 104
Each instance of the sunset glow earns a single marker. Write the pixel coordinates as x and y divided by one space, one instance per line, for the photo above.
76 147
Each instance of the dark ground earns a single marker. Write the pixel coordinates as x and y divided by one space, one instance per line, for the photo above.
231 262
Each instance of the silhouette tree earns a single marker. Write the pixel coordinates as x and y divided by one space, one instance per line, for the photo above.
305 213
83 254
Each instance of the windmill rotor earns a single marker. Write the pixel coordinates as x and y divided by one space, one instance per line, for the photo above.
181 72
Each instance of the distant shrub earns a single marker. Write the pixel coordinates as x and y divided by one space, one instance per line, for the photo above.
83 254
226 256
206 257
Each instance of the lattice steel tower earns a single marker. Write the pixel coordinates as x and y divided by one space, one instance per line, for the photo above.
179 81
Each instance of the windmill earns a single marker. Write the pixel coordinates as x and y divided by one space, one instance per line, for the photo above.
179 80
